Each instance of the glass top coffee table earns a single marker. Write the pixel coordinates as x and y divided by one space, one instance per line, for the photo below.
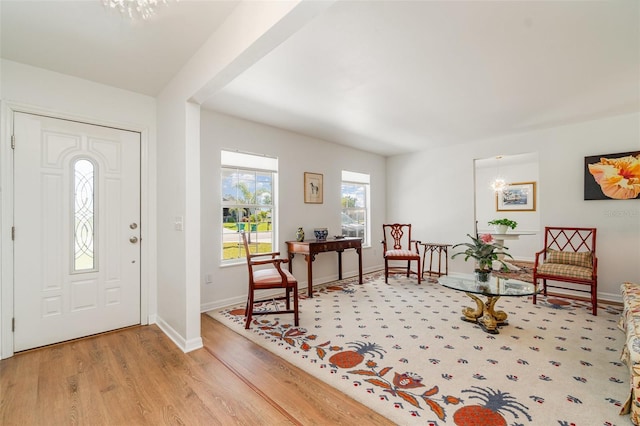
484 314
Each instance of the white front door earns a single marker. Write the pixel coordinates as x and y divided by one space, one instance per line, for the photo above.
76 230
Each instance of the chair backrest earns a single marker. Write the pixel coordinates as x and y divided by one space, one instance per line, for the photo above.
262 259
247 252
570 239
397 236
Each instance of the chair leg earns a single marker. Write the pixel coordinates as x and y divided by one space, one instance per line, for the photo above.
594 301
419 273
288 303
386 272
408 268
249 309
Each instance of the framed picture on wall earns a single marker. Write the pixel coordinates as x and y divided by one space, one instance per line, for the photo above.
612 176
313 188
520 196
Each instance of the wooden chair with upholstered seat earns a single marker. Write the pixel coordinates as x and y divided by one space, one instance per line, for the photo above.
275 277
399 247
569 256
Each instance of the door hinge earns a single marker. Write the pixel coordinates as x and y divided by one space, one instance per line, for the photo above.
13 141
13 233
13 324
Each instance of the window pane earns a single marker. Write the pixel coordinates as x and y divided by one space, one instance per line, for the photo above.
229 186
247 205
354 209
264 184
83 216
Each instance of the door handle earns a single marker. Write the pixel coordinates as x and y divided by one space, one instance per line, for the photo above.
133 240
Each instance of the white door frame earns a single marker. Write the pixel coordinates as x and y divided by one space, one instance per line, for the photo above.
147 216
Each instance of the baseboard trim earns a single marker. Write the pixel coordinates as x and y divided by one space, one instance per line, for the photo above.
180 342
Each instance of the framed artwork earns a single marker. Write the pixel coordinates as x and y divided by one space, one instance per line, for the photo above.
612 176
520 196
313 188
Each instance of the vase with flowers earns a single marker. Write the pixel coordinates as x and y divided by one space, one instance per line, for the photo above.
485 251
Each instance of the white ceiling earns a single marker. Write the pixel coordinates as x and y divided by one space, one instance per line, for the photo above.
384 76
84 39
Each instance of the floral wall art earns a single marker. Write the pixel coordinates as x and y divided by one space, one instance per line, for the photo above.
612 176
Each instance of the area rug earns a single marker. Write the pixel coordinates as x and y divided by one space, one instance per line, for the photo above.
403 350
524 271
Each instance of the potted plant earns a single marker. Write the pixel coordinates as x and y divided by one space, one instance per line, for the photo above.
501 225
485 251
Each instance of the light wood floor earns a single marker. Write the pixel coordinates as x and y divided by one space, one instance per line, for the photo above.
137 376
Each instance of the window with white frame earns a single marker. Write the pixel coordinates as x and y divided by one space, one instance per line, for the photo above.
248 188
355 206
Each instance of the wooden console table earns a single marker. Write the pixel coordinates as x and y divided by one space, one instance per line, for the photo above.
312 247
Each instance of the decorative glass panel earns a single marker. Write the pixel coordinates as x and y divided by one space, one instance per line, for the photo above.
83 215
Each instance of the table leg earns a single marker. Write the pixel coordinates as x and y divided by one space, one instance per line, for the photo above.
431 263
309 258
339 264
446 261
484 314
359 251
291 261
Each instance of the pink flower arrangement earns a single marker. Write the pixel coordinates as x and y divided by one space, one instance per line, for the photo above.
484 250
486 238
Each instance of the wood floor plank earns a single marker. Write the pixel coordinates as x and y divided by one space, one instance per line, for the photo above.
137 376
19 389
310 400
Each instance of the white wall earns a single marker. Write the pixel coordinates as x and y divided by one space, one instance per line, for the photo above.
440 201
297 154
36 90
245 36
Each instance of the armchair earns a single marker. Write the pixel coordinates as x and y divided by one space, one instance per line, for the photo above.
569 255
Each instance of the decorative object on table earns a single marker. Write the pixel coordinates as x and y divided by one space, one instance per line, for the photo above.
483 275
519 196
320 233
338 237
313 188
612 176
485 251
300 234
502 225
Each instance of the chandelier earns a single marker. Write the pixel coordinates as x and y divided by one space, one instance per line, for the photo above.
135 8
498 184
